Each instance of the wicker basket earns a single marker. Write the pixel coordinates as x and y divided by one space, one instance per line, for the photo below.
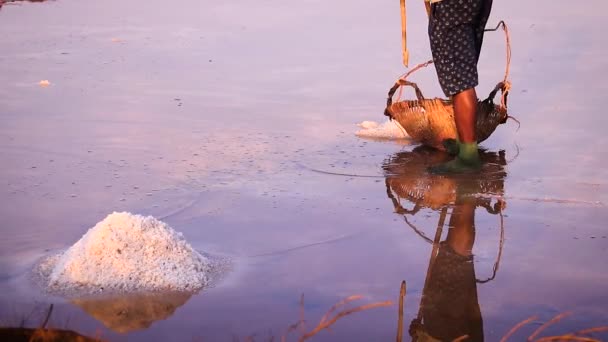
431 121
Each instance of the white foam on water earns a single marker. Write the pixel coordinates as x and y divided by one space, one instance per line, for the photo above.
127 253
387 130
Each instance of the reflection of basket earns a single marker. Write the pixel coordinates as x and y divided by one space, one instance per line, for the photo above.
431 121
408 179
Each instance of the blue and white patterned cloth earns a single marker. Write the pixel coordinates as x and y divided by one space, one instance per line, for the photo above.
456 29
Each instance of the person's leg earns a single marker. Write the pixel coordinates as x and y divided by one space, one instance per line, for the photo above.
456 42
465 115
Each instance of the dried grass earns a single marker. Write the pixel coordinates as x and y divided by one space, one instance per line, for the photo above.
534 337
328 320
402 293
335 313
517 327
42 333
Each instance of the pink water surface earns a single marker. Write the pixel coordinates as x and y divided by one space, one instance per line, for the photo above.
234 122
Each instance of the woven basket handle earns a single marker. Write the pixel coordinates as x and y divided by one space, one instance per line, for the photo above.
400 83
505 85
504 88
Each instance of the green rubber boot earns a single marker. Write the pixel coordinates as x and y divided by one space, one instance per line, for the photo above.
466 161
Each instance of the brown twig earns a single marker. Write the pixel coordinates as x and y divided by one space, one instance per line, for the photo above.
327 323
566 338
48 316
517 327
591 330
461 338
552 321
299 324
400 321
339 304
291 328
302 322
574 337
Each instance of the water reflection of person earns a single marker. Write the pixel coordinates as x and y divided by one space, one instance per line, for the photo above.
449 307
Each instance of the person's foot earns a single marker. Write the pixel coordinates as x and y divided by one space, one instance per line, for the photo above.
452 146
467 160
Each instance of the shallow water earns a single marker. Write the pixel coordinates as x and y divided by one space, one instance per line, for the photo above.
234 123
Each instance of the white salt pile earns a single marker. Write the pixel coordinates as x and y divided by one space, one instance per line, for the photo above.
127 252
386 130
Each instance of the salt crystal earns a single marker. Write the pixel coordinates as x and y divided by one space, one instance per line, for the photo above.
386 130
127 252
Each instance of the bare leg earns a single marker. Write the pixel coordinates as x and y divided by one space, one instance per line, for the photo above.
465 113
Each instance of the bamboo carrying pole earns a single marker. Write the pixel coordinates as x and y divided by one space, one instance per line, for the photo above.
406 55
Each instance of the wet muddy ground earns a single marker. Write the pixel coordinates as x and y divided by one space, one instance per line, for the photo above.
234 122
